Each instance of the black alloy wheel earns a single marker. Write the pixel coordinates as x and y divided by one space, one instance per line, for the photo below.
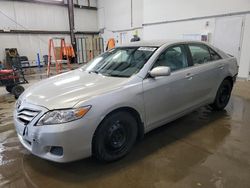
223 95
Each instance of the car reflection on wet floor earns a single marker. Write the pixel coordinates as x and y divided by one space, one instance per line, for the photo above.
204 148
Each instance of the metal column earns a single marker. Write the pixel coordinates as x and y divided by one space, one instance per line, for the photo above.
72 23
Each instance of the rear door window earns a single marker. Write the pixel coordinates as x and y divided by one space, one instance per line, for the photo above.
200 54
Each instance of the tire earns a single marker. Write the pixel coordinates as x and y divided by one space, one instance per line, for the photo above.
223 95
9 88
115 137
17 91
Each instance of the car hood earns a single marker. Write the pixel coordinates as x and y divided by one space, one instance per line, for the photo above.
66 90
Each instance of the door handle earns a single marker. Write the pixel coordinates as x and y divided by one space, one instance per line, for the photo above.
189 76
221 67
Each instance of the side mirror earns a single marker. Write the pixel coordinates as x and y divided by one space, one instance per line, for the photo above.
160 71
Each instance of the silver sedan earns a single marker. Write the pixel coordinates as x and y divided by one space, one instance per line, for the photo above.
102 108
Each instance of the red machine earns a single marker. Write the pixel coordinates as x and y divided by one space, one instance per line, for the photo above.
11 80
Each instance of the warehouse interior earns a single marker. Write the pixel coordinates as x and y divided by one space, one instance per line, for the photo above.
205 148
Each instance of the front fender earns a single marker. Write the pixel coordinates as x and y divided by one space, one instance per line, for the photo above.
126 97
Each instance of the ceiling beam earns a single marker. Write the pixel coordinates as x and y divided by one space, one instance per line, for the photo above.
46 32
58 3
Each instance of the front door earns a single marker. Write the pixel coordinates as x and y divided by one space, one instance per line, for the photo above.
166 97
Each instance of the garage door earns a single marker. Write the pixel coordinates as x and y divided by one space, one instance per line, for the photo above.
227 35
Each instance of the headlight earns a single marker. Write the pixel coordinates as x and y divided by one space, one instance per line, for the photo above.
62 116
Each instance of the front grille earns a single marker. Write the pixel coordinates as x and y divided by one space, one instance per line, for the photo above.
27 115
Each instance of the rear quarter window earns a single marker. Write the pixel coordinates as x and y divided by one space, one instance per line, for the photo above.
214 55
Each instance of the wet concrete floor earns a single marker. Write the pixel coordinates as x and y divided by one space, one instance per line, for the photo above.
203 149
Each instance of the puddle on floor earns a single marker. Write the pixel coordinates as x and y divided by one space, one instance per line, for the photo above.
204 148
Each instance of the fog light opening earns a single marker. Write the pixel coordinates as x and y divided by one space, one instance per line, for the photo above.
56 150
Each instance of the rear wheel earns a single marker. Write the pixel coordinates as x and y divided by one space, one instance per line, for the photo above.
17 91
114 137
223 95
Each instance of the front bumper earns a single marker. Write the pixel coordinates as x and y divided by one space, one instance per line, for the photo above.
72 140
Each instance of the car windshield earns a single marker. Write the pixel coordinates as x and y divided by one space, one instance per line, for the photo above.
120 62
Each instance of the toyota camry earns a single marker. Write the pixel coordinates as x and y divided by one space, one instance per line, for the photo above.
104 107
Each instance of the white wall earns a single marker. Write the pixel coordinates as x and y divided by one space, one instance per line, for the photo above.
162 10
117 14
167 11
32 16
177 30
244 69
116 17
137 13
93 3
85 20
27 44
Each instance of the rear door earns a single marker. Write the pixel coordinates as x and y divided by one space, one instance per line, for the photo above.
207 70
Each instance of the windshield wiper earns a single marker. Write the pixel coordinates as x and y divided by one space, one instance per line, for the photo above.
118 75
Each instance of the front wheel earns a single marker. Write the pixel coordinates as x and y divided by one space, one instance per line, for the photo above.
114 137
223 95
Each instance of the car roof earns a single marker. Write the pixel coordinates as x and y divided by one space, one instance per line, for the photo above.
156 43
